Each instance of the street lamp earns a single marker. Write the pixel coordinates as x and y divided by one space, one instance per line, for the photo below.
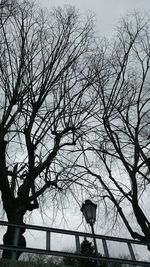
89 211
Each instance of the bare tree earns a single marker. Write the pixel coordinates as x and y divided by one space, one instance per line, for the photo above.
44 102
7 8
121 138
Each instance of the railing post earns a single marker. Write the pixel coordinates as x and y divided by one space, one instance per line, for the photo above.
105 248
48 241
78 250
131 251
106 253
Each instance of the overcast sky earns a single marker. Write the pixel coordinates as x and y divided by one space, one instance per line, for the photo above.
107 12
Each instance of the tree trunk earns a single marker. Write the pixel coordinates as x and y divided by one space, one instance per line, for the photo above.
14 236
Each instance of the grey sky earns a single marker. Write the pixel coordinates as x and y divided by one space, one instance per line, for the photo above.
107 12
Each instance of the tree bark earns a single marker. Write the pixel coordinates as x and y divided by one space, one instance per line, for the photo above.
10 235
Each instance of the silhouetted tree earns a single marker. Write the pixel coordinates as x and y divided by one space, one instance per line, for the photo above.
87 248
68 261
44 102
121 138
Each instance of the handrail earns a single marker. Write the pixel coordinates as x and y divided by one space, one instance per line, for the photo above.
77 254
71 232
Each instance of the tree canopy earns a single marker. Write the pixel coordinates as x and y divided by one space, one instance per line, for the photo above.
74 109
120 138
45 100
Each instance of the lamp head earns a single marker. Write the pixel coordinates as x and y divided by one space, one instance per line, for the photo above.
89 211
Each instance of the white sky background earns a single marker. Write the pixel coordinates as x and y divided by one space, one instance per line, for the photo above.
107 14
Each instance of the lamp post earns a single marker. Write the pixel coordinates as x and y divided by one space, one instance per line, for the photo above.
89 211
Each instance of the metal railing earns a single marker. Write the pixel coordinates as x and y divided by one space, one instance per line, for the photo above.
77 254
